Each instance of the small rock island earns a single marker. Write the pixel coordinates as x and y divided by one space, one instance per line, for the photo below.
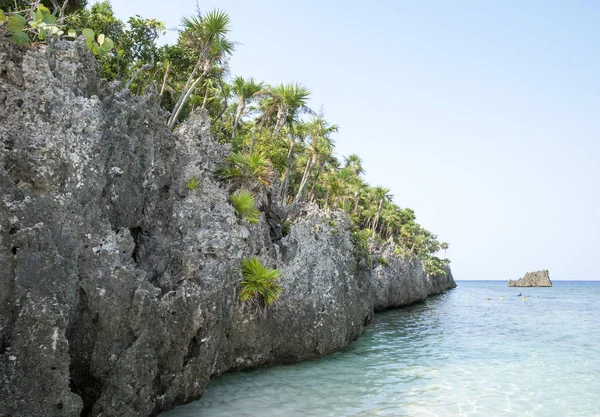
532 279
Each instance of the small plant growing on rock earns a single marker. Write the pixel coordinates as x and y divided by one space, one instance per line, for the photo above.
286 228
243 201
383 261
192 183
260 284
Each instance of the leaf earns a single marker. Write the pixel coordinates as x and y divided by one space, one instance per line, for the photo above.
42 34
50 20
108 44
88 33
95 49
16 23
89 44
72 33
100 39
43 11
20 38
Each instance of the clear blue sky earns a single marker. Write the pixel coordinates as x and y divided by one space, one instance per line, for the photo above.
484 117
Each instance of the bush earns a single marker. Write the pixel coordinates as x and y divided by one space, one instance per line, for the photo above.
260 284
434 266
243 201
247 170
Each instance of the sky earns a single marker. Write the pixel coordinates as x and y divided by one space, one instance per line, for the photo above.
482 116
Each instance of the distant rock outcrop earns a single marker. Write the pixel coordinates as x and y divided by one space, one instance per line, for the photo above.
532 279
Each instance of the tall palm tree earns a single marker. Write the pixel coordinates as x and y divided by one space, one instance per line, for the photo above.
205 35
321 144
286 101
245 90
296 131
381 194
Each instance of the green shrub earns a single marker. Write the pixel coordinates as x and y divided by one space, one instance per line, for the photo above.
247 170
260 284
434 266
243 201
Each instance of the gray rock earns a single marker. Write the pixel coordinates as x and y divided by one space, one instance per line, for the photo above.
118 285
532 279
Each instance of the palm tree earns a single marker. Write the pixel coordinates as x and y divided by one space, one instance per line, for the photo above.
319 130
286 101
380 194
245 90
296 131
205 36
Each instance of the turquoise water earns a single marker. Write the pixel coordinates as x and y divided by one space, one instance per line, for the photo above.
453 355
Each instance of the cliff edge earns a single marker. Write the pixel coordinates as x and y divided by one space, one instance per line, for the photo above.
118 284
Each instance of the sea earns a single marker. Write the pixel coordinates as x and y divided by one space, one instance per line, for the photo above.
478 350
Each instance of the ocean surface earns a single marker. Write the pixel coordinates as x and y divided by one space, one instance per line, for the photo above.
453 355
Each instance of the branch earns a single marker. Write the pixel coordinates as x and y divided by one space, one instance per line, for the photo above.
137 73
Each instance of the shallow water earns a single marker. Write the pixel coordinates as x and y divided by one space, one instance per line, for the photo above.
453 355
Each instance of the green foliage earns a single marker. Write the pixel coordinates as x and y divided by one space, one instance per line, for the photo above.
192 183
247 170
244 203
383 261
286 228
434 265
260 284
100 45
43 24
360 238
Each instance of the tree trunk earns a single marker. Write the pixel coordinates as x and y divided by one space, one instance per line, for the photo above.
377 216
164 83
187 90
238 115
252 141
312 189
280 121
286 175
309 164
355 201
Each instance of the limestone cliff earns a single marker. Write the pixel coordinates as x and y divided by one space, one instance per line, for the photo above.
532 279
118 285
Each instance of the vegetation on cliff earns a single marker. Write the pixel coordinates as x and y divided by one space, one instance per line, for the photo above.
279 144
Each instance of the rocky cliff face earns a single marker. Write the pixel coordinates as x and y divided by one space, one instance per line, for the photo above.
118 285
532 279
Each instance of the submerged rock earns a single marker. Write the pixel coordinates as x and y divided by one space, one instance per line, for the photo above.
532 279
118 284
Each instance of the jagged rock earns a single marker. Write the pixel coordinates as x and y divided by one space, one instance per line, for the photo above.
118 284
532 279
